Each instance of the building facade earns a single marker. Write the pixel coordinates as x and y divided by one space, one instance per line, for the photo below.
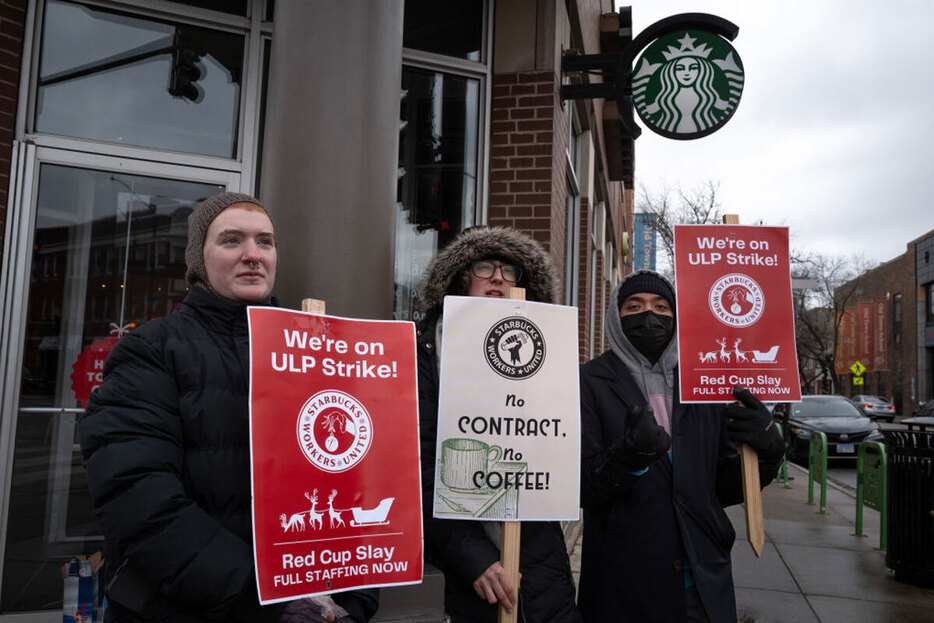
923 250
888 326
374 131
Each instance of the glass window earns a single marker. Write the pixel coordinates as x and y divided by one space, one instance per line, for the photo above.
267 49
830 406
108 254
574 138
572 211
111 77
594 282
234 7
572 243
930 305
448 28
437 191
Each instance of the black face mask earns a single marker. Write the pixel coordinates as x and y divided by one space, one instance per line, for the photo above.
648 332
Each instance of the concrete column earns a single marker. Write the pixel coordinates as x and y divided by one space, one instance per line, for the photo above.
331 151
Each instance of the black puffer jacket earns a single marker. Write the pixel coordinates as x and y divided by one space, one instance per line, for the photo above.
166 444
462 549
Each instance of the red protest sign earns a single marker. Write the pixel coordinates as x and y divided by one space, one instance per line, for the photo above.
335 467
735 315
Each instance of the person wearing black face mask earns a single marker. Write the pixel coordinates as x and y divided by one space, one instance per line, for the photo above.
648 330
656 473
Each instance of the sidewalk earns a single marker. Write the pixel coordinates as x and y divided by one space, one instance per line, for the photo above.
813 569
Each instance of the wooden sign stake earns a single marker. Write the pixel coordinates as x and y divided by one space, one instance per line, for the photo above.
314 306
752 496
512 532
749 462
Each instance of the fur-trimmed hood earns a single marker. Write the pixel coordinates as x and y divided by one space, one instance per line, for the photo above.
539 276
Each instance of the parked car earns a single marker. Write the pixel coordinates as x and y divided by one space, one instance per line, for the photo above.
925 410
844 425
875 407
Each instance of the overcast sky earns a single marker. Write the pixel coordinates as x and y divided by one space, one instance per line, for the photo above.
834 134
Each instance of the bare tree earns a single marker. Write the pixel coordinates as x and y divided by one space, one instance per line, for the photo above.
833 284
697 206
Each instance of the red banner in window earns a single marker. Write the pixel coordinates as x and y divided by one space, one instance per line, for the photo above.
879 344
847 346
864 333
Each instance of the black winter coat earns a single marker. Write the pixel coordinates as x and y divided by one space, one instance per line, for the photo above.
166 444
639 531
462 549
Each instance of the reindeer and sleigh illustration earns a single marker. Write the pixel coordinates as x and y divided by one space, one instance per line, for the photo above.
377 516
725 355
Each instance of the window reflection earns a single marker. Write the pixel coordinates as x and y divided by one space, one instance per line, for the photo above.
108 252
448 28
234 7
107 76
437 190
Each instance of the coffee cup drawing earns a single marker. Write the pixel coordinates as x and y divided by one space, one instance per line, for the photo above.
461 458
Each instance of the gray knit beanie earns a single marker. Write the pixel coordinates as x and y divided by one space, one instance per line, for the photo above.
198 222
645 281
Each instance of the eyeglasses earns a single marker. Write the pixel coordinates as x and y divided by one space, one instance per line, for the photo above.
485 270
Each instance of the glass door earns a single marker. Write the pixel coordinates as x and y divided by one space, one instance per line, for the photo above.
105 253
437 175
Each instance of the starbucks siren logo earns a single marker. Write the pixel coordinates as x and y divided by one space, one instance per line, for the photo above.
334 430
514 348
687 84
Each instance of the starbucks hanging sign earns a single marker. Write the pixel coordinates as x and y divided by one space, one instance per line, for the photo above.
687 84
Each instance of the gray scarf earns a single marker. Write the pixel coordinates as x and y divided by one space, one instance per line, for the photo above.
656 379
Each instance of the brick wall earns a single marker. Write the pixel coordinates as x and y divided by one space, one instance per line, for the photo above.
521 150
896 276
528 142
528 187
559 180
585 246
528 184
607 291
12 24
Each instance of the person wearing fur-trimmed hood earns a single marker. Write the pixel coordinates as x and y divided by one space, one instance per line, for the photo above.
656 473
486 261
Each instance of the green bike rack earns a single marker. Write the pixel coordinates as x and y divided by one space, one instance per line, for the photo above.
817 462
783 472
871 478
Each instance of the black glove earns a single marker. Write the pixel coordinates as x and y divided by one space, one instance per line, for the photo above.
751 423
314 610
643 440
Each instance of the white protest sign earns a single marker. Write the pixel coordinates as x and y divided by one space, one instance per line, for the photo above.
509 411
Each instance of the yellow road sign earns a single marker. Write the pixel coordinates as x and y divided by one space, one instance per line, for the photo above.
858 380
858 368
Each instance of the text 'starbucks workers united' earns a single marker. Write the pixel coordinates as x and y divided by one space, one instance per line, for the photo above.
687 84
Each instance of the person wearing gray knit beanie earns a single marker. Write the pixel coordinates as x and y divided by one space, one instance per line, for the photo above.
231 248
166 442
